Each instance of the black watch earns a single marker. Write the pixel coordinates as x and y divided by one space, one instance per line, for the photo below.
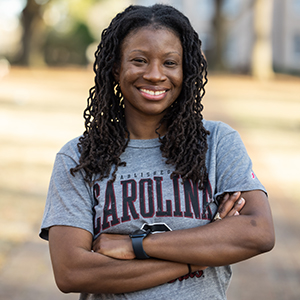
137 243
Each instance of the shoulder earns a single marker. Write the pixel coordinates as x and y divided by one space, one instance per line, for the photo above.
222 136
70 149
218 129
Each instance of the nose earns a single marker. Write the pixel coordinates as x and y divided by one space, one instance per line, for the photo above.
154 72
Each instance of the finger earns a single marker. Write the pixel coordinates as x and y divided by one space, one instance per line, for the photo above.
228 204
95 248
238 206
96 244
223 200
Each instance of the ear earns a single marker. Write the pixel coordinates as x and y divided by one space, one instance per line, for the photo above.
116 72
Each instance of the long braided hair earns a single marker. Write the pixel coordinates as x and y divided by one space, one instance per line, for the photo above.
106 135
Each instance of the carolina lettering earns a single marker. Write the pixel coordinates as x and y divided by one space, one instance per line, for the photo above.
97 220
160 211
129 198
206 196
177 212
191 197
110 207
145 198
143 184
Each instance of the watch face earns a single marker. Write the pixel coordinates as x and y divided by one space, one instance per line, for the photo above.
156 227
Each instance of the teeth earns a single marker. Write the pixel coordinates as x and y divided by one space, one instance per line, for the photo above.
153 93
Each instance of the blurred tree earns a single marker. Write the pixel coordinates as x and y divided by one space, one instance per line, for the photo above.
261 60
32 24
262 49
219 34
68 47
55 32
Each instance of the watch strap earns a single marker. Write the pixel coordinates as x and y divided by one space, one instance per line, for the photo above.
137 244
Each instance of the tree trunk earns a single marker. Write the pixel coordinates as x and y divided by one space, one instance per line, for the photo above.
31 23
262 50
219 34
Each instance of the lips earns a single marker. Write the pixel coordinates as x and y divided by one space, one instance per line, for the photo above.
151 94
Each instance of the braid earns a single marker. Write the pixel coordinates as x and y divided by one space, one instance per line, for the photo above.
104 139
185 144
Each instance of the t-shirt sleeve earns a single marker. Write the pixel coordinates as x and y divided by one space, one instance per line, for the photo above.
234 166
69 200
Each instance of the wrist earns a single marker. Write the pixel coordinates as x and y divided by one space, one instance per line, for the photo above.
137 238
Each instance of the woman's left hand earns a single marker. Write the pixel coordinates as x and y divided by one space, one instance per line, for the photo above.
114 245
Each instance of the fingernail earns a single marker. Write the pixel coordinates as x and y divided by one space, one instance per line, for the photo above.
226 196
236 213
241 201
235 193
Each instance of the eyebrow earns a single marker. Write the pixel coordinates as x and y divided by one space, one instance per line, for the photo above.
142 51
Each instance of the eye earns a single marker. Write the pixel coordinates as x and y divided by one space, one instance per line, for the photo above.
139 60
170 63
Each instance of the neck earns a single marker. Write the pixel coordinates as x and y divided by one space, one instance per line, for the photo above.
144 129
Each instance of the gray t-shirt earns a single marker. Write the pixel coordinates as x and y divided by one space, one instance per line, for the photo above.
143 192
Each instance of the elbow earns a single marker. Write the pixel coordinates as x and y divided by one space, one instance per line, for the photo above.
64 289
75 281
268 244
64 285
66 282
266 241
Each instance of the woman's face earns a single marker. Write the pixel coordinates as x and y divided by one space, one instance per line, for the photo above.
150 72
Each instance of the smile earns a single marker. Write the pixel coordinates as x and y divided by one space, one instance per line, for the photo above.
153 93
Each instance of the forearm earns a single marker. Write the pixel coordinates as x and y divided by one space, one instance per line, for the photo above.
219 243
230 240
80 270
216 244
115 276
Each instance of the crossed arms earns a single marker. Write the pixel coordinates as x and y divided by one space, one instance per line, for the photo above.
113 269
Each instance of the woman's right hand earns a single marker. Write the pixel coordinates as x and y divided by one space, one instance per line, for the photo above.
231 204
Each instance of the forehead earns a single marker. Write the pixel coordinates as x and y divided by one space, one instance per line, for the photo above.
152 37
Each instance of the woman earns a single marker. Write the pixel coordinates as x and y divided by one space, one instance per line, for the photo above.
148 162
